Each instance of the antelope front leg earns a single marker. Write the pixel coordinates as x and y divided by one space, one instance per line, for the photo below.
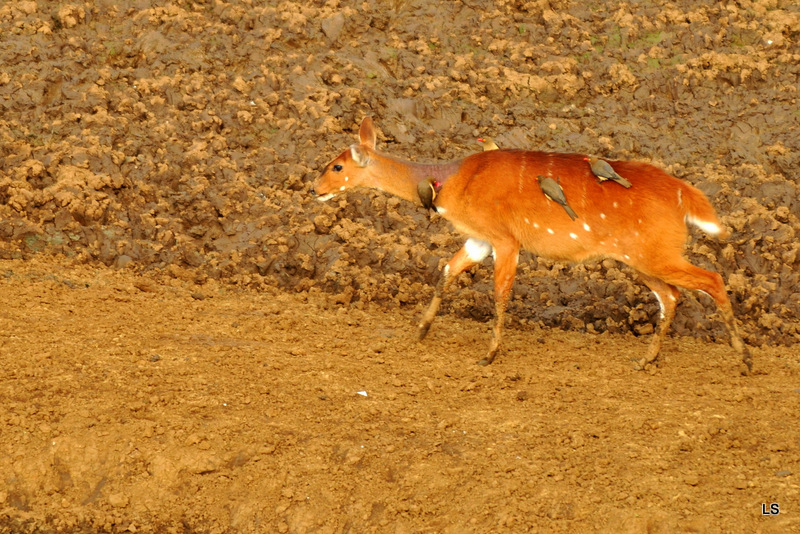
505 269
472 253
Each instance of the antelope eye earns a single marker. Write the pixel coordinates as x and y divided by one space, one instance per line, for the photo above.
337 167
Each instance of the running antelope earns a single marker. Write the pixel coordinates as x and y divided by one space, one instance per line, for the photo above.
494 199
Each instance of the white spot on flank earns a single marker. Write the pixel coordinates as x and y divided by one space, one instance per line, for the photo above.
341 188
680 197
602 215
586 227
550 231
616 205
603 243
535 225
440 211
626 256
527 221
708 227
476 249
573 236
346 178
640 221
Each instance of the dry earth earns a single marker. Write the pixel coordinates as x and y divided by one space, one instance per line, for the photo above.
184 331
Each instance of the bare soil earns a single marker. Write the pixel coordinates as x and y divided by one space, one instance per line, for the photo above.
190 343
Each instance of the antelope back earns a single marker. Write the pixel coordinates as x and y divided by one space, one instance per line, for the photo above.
495 196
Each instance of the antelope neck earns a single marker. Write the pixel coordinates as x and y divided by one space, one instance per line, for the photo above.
401 178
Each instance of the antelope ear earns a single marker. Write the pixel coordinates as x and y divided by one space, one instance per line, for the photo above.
360 156
367 133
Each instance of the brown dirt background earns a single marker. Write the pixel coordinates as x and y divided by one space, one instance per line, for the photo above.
184 331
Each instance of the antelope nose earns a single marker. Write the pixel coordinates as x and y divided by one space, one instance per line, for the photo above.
312 191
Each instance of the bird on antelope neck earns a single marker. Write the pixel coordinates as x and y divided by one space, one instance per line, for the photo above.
488 143
427 190
604 171
552 190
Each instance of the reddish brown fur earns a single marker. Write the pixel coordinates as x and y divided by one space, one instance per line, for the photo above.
494 197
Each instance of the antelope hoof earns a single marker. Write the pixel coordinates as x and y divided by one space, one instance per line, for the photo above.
747 360
488 359
423 330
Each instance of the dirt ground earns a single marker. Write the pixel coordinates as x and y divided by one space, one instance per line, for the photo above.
190 343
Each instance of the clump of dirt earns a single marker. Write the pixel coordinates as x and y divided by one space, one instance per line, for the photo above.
183 138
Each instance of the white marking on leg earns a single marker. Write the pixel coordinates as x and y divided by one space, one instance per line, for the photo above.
323 198
661 304
586 227
477 250
446 270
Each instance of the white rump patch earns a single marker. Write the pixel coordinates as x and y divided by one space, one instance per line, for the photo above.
477 250
707 227
323 198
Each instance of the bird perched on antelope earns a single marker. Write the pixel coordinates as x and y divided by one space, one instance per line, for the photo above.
427 190
553 191
488 143
604 171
